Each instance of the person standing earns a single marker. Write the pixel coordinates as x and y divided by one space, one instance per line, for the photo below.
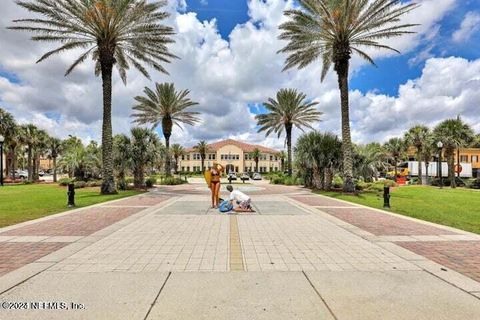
216 172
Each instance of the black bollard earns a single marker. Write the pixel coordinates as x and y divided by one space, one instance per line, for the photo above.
386 197
71 195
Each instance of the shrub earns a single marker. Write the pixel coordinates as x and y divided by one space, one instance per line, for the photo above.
94 183
277 180
122 185
475 184
80 184
447 182
337 182
171 181
150 182
379 185
362 185
65 181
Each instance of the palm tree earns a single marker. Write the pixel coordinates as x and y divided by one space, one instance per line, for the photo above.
113 32
454 134
331 31
428 152
122 158
29 137
143 143
72 160
288 110
282 156
370 159
40 149
8 128
177 152
202 148
416 136
167 107
54 149
395 147
256 154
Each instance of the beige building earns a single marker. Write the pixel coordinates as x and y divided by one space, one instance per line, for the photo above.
233 155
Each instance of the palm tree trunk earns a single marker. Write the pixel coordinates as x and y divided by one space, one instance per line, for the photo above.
341 67
176 164
203 163
426 170
256 164
54 169
451 167
108 183
328 178
288 129
395 164
139 177
419 166
167 159
30 164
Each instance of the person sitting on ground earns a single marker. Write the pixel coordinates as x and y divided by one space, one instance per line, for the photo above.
242 200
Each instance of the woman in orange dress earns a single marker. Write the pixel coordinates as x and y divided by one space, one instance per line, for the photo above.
216 172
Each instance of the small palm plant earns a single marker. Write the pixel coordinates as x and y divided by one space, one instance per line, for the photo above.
119 33
255 155
330 31
122 158
453 133
177 152
167 107
144 142
202 148
288 110
417 136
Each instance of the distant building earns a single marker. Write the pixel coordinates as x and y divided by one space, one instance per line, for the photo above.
463 155
233 155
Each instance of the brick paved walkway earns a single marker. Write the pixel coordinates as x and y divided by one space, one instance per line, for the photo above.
292 232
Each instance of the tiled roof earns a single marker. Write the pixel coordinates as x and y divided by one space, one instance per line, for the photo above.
246 147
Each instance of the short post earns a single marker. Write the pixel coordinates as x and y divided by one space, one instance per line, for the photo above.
386 197
71 195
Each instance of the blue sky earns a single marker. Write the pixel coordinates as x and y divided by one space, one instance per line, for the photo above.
390 72
229 63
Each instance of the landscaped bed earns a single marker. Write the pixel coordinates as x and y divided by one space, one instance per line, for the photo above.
459 208
20 203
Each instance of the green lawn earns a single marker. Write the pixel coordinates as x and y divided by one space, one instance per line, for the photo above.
459 208
26 202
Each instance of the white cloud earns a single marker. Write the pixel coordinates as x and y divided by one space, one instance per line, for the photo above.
469 25
223 75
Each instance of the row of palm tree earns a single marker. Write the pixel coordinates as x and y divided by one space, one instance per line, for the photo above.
27 141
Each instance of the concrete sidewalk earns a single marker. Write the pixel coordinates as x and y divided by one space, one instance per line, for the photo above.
299 256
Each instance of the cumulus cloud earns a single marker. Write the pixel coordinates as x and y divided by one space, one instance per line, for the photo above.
469 25
224 75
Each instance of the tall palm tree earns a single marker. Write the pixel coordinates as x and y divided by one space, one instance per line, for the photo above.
255 155
202 149
417 136
454 134
167 107
428 152
331 31
29 136
113 33
288 110
55 147
177 152
396 148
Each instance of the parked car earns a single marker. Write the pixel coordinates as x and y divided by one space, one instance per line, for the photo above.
257 176
244 177
22 174
231 176
41 173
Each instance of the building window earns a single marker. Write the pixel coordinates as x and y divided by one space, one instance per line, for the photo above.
237 157
188 157
214 155
246 169
183 157
463 158
474 158
183 169
271 158
188 169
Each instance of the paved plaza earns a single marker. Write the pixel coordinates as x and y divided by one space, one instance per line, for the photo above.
167 255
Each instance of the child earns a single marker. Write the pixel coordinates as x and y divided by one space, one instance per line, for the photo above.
241 199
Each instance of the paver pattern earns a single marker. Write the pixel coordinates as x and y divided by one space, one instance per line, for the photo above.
14 255
143 200
313 200
81 223
384 224
461 256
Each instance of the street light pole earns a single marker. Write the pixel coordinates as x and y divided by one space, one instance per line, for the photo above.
2 139
440 148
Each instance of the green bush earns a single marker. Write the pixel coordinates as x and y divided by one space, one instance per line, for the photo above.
122 185
362 185
65 181
447 182
337 182
379 185
475 184
80 184
171 181
150 182
94 183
